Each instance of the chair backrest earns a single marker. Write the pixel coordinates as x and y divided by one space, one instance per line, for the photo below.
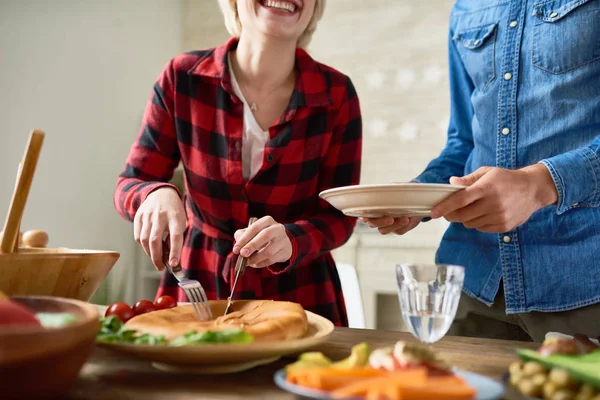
352 296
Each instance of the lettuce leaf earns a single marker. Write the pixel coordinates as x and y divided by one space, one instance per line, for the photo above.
230 336
113 331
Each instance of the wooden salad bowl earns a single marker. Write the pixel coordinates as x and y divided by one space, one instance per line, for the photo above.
43 363
68 273
27 267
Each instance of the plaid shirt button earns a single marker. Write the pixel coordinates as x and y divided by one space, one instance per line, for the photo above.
269 158
238 144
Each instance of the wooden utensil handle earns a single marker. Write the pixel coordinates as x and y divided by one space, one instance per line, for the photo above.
17 204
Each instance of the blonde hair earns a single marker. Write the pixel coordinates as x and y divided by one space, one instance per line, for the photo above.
234 25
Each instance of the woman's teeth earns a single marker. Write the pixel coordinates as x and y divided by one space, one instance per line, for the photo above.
281 5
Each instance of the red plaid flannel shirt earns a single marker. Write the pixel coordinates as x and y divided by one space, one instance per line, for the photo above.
194 117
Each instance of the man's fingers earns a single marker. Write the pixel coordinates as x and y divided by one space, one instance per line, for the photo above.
471 178
398 224
410 226
456 201
474 210
379 222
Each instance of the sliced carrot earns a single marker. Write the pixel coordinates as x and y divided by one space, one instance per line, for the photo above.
397 379
334 379
386 392
436 392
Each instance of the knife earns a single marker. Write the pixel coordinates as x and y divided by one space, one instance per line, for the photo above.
240 266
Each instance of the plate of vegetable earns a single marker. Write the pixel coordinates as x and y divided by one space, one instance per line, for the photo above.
404 372
561 369
207 352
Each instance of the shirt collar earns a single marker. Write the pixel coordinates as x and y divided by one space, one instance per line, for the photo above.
311 88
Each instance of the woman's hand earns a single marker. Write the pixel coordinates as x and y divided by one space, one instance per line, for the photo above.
386 225
265 241
162 211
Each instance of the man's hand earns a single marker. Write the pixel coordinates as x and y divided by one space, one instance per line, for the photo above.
387 225
498 200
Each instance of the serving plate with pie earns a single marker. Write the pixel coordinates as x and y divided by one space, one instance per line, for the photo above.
254 332
394 199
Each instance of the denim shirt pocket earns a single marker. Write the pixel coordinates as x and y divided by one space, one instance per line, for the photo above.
566 34
476 47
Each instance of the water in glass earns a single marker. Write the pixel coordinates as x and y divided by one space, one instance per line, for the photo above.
429 296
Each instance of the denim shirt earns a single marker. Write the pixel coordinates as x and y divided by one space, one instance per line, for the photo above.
525 89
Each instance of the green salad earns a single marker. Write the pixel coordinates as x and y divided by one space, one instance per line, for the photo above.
55 320
113 331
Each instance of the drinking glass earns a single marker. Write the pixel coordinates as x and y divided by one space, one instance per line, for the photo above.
429 296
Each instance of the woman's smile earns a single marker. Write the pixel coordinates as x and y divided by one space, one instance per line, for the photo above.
282 7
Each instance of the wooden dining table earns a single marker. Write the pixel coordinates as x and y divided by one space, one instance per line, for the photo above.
111 375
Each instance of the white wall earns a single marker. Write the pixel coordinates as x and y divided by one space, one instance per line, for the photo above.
81 70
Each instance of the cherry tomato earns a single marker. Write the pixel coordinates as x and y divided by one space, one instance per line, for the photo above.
164 302
143 306
121 310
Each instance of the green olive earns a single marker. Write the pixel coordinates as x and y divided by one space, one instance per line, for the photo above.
563 394
560 377
549 389
515 367
531 368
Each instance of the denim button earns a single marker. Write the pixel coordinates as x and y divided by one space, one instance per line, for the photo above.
575 204
507 76
553 15
505 131
513 24
506 239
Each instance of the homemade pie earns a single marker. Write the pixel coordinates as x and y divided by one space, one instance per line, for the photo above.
265 320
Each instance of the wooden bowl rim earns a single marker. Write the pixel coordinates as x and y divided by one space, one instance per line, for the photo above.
62 252
90 314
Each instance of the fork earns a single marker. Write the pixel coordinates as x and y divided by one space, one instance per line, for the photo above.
192 288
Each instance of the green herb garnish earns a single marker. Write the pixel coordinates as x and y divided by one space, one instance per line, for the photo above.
229 336
113 331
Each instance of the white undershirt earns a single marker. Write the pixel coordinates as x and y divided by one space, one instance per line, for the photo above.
254 138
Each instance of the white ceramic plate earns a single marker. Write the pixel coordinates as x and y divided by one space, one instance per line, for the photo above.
395 199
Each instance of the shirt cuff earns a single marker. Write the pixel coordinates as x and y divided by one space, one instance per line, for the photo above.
429 177
294 260
151 187
576 175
